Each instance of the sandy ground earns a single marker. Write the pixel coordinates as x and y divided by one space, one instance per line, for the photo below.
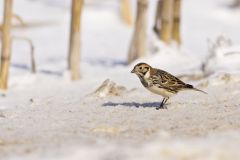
127 126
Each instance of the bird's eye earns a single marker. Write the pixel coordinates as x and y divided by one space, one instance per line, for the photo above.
140 67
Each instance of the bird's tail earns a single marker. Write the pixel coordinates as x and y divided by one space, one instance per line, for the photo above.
188 86
195 89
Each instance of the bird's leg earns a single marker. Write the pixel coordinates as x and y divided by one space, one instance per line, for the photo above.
161 105
165 101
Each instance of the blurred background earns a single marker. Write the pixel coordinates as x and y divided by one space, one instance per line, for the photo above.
107 31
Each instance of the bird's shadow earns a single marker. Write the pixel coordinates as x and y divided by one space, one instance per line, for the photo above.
132 104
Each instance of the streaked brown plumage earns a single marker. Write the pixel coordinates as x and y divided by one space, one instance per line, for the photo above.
160 82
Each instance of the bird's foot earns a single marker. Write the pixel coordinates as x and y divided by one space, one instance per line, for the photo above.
161 107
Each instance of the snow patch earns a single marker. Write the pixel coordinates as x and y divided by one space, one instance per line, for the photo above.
109 88
223 56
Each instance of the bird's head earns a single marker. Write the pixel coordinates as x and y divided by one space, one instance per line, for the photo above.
141 69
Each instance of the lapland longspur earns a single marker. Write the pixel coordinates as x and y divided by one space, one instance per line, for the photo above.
160 82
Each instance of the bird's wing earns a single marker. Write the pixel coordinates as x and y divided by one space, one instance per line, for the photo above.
167 81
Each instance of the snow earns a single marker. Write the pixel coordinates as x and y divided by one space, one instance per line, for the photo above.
107 114
223 56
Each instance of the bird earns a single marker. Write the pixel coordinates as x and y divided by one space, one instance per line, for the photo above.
161 82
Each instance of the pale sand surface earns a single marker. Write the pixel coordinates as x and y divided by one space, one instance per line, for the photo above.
71 126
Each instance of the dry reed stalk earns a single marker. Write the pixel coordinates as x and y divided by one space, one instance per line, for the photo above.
138 43
74 49
125 12
176 22
32 53
166 21
6 44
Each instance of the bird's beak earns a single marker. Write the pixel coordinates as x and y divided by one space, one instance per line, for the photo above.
133 71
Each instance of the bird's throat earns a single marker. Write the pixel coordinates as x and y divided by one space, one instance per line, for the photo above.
147 75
